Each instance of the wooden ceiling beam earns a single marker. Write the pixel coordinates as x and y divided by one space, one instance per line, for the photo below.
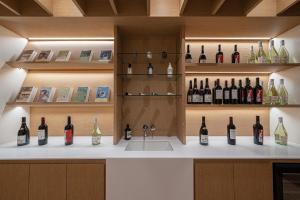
249 5
113 6
216 5
283 5
183 4
45 5
11 5
81 5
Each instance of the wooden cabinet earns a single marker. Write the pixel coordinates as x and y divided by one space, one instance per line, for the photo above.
214 180
233 180
14 181
253 180
47 182
86 181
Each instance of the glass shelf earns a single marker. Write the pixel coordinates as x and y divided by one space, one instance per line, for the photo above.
148 75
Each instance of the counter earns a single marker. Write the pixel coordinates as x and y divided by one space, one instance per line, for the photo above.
217 149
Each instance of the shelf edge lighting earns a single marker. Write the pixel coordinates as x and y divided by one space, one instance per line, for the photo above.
228 38
71 39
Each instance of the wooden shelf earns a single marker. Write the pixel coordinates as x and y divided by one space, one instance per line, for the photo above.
212 68
61 104
240 106
63 66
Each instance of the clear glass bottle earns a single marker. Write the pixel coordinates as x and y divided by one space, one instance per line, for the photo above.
261 55
265 94
281 136
252 57
283 93
283 53
96 133
272 93
273 55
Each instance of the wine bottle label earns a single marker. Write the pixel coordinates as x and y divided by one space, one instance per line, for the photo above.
232 134
129 71
220 59
261 136
283 100
41 134
188 60
204 139
250 96
202 61
196 98
21 139
207 98
259 96
275 59
96 139
68 136
129 134
201 99
170 71
219 94
261 59
237 59
234 94
226 95
150 71
190 97
274 99
284 59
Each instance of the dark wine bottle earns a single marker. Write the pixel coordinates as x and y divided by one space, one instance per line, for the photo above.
128 133
150 69
188 55
203 133
258 93
226 94
233 92
69 132
258 132
249 94
196 94
190 93
214 92
231 132
218 93
219 55
23 134
235 57
43 132
207 93
241 93
201 93
202 57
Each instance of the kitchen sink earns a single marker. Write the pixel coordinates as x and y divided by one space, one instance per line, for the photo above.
149 146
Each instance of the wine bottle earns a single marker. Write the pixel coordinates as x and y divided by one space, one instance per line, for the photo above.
201 93
69 132
281 136
226 94
23 134
42 132
273 97
273 55
283 53
249 96
231 132
203 133
265 94
219 55
218 93
129 69
241 93
235 57
170 70
190 93
150 69
283 94
96 133
214 93
233 93
202 57
261 55
207 93
188 55
252 56
196 94
258 93
258 132
128 133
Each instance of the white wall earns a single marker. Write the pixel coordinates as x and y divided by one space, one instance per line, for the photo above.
10 83
291 116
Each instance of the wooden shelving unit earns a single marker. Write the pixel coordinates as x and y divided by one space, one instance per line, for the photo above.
213 68
61 104
63 66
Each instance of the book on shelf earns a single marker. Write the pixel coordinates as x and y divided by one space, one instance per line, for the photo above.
102 94
44 56
27 56
46 94
64 94
63 56
86 55
26 94
82 94
105 56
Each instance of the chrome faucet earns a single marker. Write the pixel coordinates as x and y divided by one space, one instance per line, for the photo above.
152 129
146 129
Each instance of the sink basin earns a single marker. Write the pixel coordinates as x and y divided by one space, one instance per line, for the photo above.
149 146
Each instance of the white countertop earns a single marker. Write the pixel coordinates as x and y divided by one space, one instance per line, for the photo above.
83 149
